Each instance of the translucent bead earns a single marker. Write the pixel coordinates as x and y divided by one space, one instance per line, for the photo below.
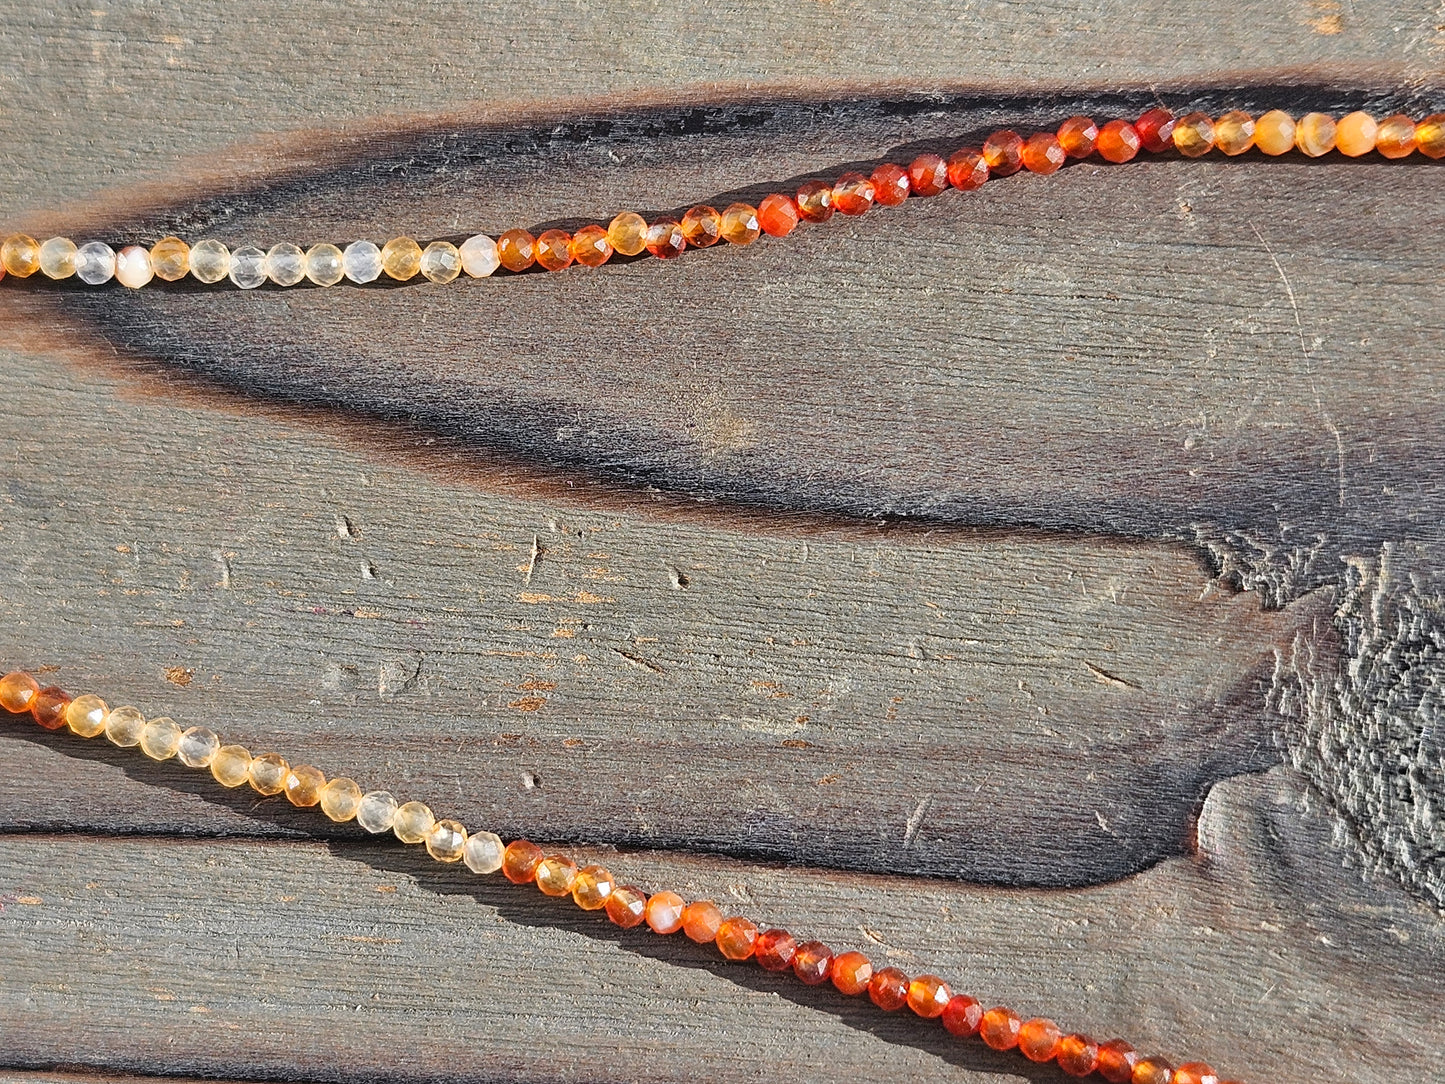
401 258
815 200
665 239
1194 135
483 853
702 226
94 263
340 799
1078 1055
171 258
303 785
361 262
161 738
268 773
1043 153
1004 153
231 765
18 691
479 256
20 255
927 175
133 266
700 921
1039 1039
888 989
376 812
124 726
740 222
556 874
962 1015
774 950
517 249
248 267
999 1028
1195 1072
736 938
664 912
1079 136
1430 136
1116 1061
441 262
554 250
813 963
626 906
853 194
285 264
519 861
1118 142
1355 134
210 261
57 258
86 715
591 248
48 707
1315 134
446 841
928 996
323 265
1274 132
413 821
967 169
777 214
198 747
1234 132
1156 130
1154 1070
890 185
627 233
592 887
1396 137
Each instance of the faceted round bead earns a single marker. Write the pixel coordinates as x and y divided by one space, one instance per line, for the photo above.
303 785
160 738
556 874
815 201
401 258
700 921
1315 134
231 766
967 169
198 747
57 257
999 1028
1039 1039
665 239
517 249
664 912
413 820
592 887
774 950
171 259
447 841
479 256
1116 1061
1004 153
813 962
1274 132
590 246
1153 1071
1043 153
627 233
376 812
1355 134
1196 1072
778 215
928 996
325 264
361 262
483 853
962 1015
248 267
852 972
1234 132
626 906
737 938
519 861
1156 130
927 175
890 184
20 255
740 224
441 262
86 715
124 726
18 691
853 194
1118 141
268 773
340 799
209 261
554 250
133 266
1430 136
1396 137
1078 1055
1078 136
48 707
1194 135
888 989
702 226
95 263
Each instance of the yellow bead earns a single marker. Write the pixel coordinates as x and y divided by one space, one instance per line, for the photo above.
210 261
556 875
627 233
171 258
1355 134
231 765
1193 135
401 258
160 738
85 715
592 887
1396 137
340 799
1315 134
198 747
1274 132
324 264
740 224
446 841
20 255
57 258
123 726
268 773
441 262
1430 136
303 785
412 822
1234 132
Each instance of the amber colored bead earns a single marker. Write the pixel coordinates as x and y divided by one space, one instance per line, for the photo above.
701 920
1355 134
85 715
967 169
664 912
890 184
1078 1055
519 861
702 226
1274 132
590 246
1078 136
1004 153
517 250
815 201
170 259
1118 141
928 996
161 738
774 950
340 799
400 259
1234 132
1116 1061
231 766
18 691
124 726
888 989
1152 1071
852 972
813 962
303 785
962 1015
556 874
1196 1072
626 905
411 821
665 239
927 175
20 255
48 707
1315 134
554 250
999 1028
853 194
1043 153
1396 136
1156 130
736 938
1430 136
1039 1039
627 233
740 224
778 215
592 888
1194 135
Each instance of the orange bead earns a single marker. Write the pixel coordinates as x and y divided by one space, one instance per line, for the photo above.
1118 141
48 707
928 996
852 972
1043 153
962 1016
740 224
701 920
1153 1071
702 226
1116 1061
517 249
626 906
664 912
1195 1072
1396 137
1274 132
888 989
665 239
778 215
18 691
554 250
927 175
627 233
1004 153
813 962
1078 1055
736 938
853 194
1039 1039
1315 134
590 246
1430 136
1078 136
591 889
967 169
815 201
555 875
519 861
1156 130
774 950
1234 132
1355 134
1194 135
890 184
999 1028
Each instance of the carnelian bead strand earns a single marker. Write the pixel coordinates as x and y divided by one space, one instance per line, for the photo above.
1078 136
1078 1055
999 1028
1004 153
927 175
1039 1039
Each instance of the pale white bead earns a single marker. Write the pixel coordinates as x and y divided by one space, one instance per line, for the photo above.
210 261
95 263
377 811
285 264
479 256
361 261
483 852
323 265
198 747
248 267
133 266
57 258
